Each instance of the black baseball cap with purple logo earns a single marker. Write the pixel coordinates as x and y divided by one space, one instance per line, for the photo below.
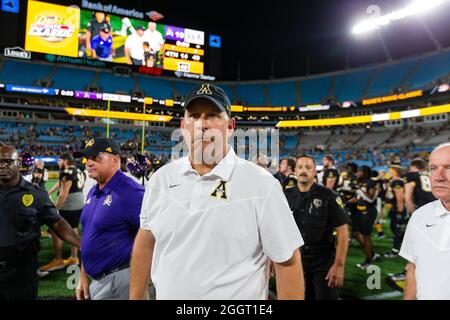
97 146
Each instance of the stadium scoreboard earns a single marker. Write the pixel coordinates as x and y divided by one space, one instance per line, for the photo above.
64 32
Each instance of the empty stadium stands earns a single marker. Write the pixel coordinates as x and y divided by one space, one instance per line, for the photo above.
108 82
314 90
71 78
283 94
388 78
155 88
251 94
351 85
15 72
429 69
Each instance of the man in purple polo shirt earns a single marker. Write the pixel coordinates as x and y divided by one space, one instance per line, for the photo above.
110 221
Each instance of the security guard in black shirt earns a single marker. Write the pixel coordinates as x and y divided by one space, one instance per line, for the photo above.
318 212
23 208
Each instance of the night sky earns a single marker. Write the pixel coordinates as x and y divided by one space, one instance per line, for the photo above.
279 39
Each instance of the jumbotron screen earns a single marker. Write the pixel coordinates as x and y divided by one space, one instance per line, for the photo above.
80 33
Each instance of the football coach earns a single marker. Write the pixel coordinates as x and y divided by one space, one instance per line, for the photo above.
211 221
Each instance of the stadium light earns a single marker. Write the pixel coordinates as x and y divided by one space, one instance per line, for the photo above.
417 7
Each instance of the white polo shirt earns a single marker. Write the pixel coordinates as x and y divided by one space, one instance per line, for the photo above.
427 245
155 39
214 234
88 184
134 43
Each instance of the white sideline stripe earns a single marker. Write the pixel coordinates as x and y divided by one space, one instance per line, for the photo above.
382 296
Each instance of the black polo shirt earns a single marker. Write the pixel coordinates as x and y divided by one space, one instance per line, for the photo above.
23 209
317 213
94 27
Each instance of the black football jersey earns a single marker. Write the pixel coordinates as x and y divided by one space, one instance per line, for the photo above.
422 188
331 173
76 176
394 185
365 186
290 181
349 186
380 186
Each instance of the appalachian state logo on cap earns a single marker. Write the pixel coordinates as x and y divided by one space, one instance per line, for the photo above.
108 149
205 89
90 143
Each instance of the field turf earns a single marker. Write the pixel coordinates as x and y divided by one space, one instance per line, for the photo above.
54 286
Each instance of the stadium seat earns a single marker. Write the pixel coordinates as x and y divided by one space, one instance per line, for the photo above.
350 86
283 93
251 94
155 88
314 90
23 73
389 78
183 87
112 83
72 79
430 68
229 91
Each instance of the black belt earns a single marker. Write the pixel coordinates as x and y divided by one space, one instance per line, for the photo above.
100 276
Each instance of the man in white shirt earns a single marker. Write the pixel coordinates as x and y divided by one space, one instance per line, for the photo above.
154 38
426 244
211 221
134 50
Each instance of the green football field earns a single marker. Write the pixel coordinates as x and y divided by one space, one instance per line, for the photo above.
55 285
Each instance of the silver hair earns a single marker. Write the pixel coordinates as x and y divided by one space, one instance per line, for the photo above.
442 145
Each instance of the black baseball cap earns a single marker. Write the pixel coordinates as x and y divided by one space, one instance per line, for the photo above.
212 93
105 28
97 146
140 27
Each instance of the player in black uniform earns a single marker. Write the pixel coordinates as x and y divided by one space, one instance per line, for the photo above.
285 169
40 174
329 177
417 187
395 198
70 203
365 215
380 186
348 187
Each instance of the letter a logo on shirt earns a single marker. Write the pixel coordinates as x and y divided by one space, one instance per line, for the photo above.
204 89
220 191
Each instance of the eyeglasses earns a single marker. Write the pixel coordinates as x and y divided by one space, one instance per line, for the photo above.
7 162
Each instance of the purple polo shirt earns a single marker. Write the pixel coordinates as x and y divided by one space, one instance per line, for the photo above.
110 221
